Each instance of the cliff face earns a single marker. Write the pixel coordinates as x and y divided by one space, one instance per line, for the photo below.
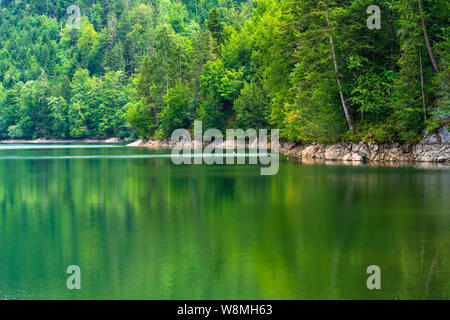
433 148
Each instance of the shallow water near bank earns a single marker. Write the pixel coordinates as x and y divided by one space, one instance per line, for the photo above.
141 227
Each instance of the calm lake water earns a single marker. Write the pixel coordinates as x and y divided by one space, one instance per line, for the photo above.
141 227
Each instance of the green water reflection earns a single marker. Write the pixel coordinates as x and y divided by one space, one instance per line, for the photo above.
143 228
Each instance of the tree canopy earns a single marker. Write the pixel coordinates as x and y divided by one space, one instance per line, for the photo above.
317 70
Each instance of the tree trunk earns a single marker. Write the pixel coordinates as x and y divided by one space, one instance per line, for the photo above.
421 87
338 79
427 40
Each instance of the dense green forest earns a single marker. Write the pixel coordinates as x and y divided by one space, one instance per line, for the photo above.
142 68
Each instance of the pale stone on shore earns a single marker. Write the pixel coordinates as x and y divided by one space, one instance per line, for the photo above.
136 143
113 140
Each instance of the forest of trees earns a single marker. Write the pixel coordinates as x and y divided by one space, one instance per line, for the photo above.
142 68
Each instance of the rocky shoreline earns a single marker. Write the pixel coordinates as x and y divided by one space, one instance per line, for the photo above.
433 148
